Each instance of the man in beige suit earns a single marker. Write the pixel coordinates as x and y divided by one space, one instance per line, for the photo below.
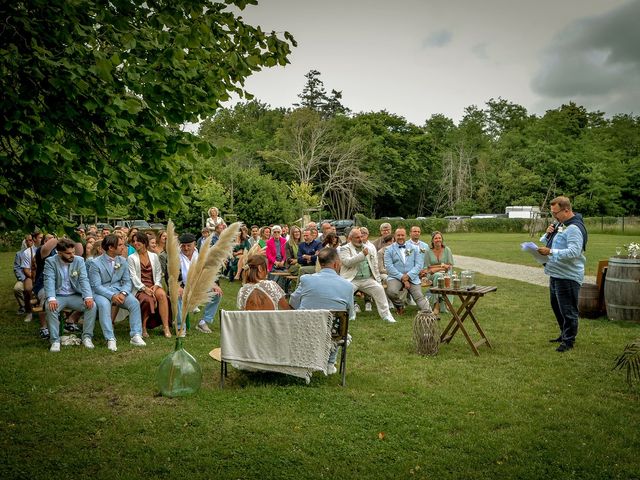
360 267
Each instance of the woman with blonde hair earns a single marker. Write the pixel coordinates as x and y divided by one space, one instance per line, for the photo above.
258 293
161 241
214 220
291 248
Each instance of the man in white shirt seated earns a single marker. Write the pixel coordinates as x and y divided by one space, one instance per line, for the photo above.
360 267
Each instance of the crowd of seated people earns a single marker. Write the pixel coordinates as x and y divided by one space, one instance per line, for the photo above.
268 259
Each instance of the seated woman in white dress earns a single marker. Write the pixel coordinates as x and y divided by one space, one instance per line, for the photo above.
258 293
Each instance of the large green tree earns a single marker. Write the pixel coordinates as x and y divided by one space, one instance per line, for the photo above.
94 92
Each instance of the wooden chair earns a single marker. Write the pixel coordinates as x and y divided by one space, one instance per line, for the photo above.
339 334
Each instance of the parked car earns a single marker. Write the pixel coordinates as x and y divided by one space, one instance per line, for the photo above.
101 225
157 226
140 224
392 218
456 217
343 226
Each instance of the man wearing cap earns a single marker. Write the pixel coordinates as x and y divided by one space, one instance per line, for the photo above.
188 256
111 284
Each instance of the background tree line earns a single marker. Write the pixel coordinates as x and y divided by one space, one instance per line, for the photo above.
378 164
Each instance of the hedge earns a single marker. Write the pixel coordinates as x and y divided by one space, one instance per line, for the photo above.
503 225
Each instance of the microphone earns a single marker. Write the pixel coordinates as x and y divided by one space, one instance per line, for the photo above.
555 227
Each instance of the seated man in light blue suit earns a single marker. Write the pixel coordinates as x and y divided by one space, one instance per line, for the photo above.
404 263
325 290
66 286
111 284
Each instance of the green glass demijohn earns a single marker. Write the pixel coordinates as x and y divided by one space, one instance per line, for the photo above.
179 373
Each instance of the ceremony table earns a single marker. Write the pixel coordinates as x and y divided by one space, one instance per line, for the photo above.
469 299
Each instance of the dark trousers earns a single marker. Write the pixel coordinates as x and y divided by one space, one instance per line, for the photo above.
280 280
564 302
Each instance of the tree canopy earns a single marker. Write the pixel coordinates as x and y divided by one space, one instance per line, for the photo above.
497 155
94 93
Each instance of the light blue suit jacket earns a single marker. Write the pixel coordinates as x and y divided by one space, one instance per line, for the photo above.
108 284
77 276
324 290
396 266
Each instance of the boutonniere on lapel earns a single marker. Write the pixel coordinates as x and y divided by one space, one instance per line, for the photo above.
422 250
561 228
408 251
116 266
74 274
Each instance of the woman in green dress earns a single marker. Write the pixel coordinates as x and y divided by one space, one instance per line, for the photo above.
438 262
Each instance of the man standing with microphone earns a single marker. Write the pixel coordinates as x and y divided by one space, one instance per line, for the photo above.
566 241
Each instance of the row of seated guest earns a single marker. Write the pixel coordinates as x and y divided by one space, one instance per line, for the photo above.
157 240
64 280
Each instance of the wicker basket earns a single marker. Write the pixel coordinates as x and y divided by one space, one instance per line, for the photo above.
426 333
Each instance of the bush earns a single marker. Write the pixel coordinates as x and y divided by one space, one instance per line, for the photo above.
10 241
478 225
427 226
502 225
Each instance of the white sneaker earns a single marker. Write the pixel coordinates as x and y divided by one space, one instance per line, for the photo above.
331 369
367 307
28 318
86 341
356 307
111 345
410 300
389 319
182 334
204 328
55 347
137 341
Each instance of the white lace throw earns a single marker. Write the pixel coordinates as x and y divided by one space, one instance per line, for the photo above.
293 342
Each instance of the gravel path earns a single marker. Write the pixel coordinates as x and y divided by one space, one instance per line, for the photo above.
523 273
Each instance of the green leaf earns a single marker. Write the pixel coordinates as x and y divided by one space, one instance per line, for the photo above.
103 69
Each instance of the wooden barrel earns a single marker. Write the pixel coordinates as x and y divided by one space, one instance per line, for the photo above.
589 301
622 289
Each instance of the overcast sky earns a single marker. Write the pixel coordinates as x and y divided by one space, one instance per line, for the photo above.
416 58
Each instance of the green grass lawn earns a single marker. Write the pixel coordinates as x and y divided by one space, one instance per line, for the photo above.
505 247
520 410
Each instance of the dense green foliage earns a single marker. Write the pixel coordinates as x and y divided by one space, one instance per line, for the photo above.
94 93
496 156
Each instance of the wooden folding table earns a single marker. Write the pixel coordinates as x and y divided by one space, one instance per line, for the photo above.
469 298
